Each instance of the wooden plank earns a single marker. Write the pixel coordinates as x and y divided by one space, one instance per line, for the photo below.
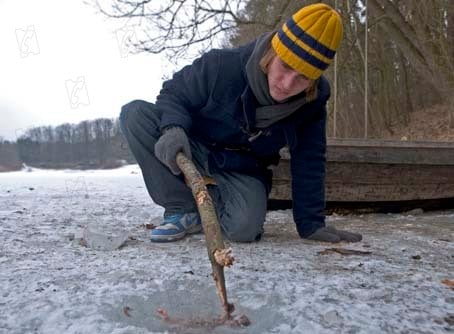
391 155
392 152
372 170
366 173
389 143
341 192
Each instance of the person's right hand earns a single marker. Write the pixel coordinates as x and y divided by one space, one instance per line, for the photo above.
172 141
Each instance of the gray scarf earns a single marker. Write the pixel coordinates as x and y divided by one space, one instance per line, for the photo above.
269 110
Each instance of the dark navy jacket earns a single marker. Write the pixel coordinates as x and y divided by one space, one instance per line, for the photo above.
212 101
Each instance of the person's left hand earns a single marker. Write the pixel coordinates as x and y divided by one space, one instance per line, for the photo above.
172 141
331 234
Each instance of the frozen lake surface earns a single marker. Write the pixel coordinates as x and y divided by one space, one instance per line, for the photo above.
49 283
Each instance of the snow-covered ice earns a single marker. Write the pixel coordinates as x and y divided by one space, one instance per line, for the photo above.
49 283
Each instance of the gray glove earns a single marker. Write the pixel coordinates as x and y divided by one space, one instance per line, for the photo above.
331 234
172 141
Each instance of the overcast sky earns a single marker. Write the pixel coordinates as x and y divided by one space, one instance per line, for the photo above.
61 62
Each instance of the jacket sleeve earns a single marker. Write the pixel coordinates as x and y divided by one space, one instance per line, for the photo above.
188 91
308 160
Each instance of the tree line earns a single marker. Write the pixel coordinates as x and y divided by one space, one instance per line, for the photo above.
97 143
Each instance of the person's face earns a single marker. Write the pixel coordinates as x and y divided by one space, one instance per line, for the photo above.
285 82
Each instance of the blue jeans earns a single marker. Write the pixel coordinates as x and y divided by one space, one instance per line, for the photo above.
240 200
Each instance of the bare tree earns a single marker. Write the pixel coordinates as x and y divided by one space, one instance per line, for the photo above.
174 27
420 29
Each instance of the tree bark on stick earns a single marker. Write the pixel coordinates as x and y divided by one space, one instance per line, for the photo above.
217 253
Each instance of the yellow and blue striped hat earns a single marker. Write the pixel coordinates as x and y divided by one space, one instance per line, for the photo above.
308 41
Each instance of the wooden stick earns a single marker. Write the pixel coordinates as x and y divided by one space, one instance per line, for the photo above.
217 253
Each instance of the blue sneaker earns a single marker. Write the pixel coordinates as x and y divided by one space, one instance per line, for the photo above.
175 227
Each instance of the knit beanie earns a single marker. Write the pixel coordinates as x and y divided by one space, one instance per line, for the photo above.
308 41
